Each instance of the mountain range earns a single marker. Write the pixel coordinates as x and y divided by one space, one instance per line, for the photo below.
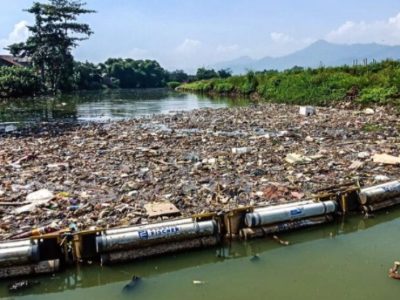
319 53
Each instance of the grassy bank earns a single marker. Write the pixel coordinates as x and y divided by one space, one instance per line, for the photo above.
377 83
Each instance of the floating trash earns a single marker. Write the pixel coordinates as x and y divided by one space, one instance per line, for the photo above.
209 160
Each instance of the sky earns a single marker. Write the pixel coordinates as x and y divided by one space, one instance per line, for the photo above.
186 34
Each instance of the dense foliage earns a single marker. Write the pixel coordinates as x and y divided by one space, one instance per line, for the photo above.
53 36
129 73
120 73
135 73
377 83
18 81
87 76
113 73
178 76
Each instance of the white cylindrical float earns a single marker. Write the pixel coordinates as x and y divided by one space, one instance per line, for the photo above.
18 253
16 243
289 213
147 226
380 192
154 235
249 233
280 206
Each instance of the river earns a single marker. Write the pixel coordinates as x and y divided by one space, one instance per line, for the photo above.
106 105
348 259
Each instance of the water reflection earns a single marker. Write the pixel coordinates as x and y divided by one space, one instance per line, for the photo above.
107 105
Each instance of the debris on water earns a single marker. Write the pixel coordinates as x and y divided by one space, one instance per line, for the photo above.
158 209
22 285
198 282
307 110
309 139
294 158
207 160
369 111
355 165
386 159
53 227
255 258
363 154
297 195
10 128
394 271
132 284
35 199
242 150
381 178
369 215
275 191
280 241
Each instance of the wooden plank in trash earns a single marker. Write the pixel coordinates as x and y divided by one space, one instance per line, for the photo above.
157 209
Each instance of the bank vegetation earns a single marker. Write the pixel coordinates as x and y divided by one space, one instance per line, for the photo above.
377 83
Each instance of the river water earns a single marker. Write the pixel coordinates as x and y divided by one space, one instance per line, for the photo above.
348 259
107 105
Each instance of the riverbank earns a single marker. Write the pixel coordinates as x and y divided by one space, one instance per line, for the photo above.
373 84
200 161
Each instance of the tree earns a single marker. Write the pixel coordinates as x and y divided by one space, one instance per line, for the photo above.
87 76
54 35
135 73
224 73
203 73
178 76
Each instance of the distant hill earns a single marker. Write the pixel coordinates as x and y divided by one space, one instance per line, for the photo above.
320 52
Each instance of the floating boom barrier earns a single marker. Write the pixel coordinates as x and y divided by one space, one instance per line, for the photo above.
18 252
380 196
121 245
53 252
271 215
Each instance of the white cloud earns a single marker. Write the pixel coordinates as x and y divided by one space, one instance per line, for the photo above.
226 49
19 34
382 31
280 37
189 46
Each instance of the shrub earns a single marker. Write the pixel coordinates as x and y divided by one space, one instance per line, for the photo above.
173 84
376 83
378 94
223 87
18 82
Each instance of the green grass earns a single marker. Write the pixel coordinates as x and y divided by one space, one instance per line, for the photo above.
377 83
372 128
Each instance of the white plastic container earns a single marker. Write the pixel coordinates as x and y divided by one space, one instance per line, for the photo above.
307 110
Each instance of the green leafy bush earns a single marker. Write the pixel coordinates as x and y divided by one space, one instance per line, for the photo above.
378 94
223 87
173 84
18 82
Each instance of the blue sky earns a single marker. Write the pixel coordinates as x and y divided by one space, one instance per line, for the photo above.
191 33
